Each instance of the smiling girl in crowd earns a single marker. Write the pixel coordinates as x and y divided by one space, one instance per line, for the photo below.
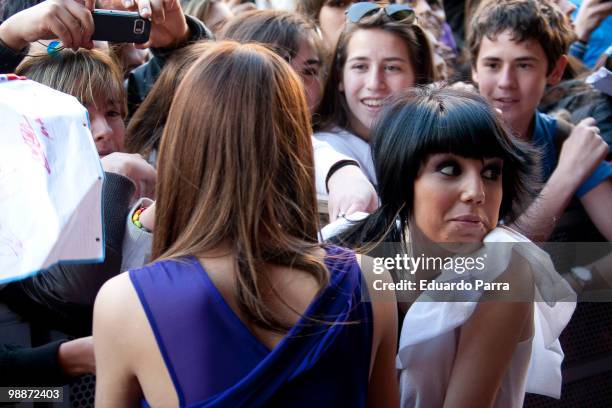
381 51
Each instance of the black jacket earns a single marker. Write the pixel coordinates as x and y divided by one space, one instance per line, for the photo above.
37 366
62 297
141 80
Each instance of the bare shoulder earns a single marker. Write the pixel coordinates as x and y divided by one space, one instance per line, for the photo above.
377 278
116 298
384 303
116 326
117 309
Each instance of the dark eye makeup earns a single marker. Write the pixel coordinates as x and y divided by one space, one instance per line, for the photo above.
452 168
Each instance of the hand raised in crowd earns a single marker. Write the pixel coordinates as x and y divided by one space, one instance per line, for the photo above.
582 152
68 20
168 25
590 15
350 191
134 167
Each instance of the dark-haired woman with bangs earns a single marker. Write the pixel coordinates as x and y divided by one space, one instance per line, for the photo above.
450 180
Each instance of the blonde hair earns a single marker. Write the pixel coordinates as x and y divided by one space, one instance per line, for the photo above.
84 74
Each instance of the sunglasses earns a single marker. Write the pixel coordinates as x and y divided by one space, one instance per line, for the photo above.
398 12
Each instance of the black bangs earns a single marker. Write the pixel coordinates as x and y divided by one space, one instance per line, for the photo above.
427 120
464 128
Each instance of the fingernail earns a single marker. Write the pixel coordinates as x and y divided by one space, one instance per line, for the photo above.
144 11
127 3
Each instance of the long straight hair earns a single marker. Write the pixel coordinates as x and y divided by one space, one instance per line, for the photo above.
236 166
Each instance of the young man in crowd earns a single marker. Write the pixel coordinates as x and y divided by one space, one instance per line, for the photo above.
517 49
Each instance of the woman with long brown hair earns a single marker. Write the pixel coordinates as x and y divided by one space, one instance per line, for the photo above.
344 186
243 307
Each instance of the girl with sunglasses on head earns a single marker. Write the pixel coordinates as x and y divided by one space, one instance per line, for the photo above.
448 172
380 51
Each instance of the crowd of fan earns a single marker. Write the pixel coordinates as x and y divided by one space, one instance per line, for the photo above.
240 129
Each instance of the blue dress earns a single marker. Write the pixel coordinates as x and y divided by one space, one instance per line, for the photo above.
215 361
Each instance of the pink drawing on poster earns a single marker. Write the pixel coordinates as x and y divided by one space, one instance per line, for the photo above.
30 139
10 245
43 129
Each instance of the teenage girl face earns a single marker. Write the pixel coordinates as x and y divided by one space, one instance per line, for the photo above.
308 65
377 65
457 199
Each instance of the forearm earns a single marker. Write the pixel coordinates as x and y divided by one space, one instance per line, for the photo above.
324 157
37 366
597 205
11 52
539 220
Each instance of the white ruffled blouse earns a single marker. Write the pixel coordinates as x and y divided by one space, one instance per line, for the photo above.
429 337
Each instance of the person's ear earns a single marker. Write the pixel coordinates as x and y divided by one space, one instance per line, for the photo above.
341 86
557 73
475 75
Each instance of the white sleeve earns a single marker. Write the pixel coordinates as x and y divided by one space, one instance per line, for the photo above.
325 157
136 242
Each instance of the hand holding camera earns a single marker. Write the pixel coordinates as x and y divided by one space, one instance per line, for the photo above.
168 24
76 24
69 20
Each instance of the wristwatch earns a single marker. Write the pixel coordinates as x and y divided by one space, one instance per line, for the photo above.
583 276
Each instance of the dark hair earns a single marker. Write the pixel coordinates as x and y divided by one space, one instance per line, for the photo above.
245 178
310 9
539 20
146 126
427 120
281 31
333 110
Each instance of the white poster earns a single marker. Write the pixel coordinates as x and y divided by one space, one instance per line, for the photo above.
50 181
